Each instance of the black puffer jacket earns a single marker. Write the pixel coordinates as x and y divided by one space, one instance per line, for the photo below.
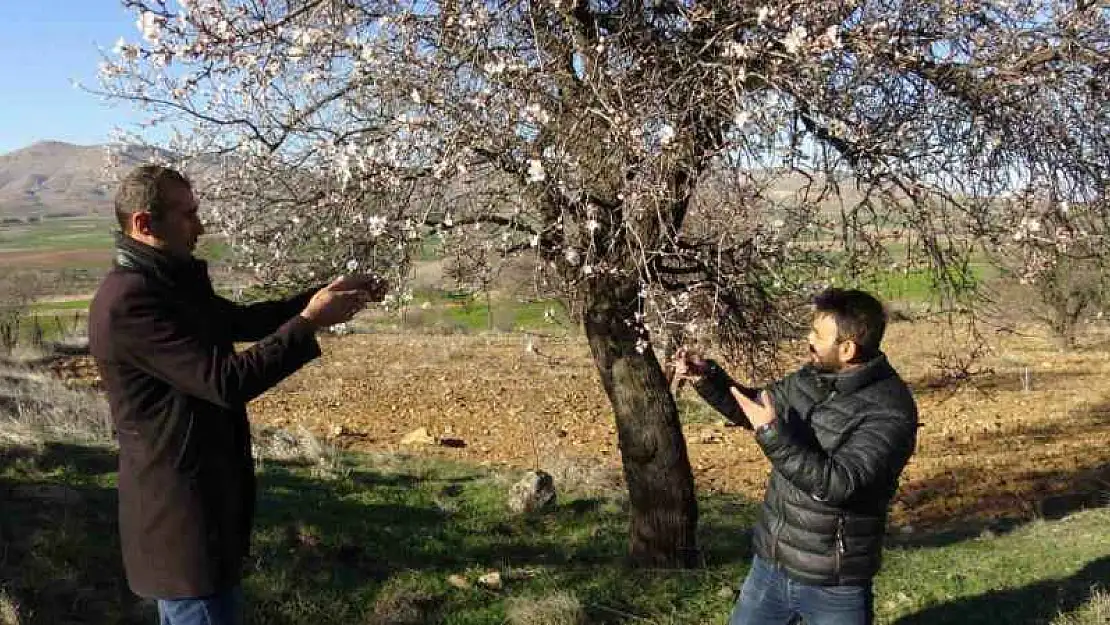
837 449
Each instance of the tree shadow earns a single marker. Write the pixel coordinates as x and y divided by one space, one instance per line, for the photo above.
963 502
1034 604
59 547
995 382
60 556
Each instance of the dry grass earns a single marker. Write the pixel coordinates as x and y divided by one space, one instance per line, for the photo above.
560 608
32 402
9 611
1095 612
400 605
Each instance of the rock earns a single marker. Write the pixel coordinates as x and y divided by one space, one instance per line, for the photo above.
491 581
458 581
534 492
725 592
419 436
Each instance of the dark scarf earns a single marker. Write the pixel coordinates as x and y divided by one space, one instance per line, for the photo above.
189 273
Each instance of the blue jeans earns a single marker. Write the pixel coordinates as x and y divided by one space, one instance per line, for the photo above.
223 608
769 597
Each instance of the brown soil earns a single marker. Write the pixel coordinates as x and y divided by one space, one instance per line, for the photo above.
32 259
986 451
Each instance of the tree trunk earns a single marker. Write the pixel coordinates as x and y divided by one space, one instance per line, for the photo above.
664 510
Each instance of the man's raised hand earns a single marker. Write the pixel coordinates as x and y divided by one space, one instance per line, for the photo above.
334 304
374 287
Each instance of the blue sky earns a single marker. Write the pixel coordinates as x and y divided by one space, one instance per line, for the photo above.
47 44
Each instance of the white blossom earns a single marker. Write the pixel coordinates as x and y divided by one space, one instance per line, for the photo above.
666 134
795 39
536 112
735 50
535 171
375 226
150 25
108 70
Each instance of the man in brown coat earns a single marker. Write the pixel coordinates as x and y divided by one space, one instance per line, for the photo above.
164 344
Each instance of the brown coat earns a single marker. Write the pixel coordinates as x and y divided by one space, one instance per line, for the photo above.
163 341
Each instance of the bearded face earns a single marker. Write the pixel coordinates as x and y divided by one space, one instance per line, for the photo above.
828 353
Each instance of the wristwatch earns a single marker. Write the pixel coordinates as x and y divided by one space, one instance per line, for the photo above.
765 429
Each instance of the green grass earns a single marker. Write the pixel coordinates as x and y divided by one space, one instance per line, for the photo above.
50 325
914 285
393 531
444 310
508 314
79 233
214 249
68 305
86 233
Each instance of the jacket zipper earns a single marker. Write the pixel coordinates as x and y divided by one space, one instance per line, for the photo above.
840 548
775 537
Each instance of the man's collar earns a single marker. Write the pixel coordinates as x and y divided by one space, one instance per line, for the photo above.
851 380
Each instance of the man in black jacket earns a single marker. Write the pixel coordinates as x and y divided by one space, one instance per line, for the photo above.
177 388
838 433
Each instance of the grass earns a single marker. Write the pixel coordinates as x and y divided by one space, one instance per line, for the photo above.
1095 611
76 305
912 286
47 325
404 540
79 233
440 310
84 234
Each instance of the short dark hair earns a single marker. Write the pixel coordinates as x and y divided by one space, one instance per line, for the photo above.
860 318
146 188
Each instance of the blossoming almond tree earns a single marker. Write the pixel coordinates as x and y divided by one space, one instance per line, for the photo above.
678 170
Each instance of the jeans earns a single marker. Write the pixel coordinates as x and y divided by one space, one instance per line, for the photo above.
769 597
223 608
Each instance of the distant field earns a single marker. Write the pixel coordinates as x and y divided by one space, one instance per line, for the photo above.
78 233
81 243
72 243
